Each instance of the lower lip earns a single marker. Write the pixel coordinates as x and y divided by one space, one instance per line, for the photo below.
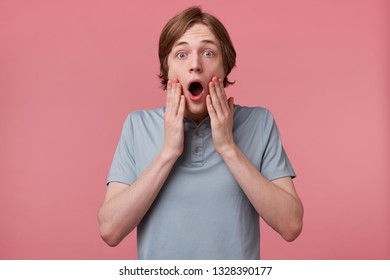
196 98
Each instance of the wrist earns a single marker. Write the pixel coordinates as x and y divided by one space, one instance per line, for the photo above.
228 152
169 156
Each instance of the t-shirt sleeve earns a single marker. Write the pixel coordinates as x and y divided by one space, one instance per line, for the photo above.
275 163
123 167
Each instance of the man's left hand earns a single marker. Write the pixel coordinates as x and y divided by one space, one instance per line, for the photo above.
221 111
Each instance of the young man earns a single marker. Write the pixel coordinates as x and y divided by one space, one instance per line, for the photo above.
195 175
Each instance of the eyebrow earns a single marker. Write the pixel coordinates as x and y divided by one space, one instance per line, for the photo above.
203 41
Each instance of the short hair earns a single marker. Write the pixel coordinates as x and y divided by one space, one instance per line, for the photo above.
179 24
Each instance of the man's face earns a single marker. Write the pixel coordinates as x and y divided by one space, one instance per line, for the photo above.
194 60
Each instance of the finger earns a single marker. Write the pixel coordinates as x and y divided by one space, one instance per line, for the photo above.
176 98
169 86
219 87
172 98
210 108
182 106
231 104
214 99
168 97
221 95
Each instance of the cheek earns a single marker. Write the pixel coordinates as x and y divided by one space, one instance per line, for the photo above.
175 73
172 72
221 69
170 75
216 69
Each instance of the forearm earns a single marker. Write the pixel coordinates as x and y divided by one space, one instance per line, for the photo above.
125 206
281 209
120 214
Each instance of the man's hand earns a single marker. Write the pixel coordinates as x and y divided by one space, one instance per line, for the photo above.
221 116
124 207
276 202
173 120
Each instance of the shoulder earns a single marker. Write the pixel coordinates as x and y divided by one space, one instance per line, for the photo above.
143 120
252 114
145 116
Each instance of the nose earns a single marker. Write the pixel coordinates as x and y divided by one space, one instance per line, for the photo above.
195 64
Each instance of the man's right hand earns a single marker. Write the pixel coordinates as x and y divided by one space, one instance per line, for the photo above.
124 206
173 120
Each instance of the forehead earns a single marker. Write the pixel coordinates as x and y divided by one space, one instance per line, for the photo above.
198 33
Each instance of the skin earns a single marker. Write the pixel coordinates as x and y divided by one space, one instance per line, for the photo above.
197 55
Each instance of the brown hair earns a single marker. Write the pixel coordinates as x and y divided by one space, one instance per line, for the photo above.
179 24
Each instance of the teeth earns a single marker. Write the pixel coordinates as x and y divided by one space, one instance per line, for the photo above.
195 88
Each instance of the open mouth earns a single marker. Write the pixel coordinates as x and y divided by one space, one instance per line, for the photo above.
195 88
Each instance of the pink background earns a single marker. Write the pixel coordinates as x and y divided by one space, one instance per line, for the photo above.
71 71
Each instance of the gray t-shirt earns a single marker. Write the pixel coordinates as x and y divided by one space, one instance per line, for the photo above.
201 212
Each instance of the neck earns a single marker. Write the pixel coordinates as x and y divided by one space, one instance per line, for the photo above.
197 118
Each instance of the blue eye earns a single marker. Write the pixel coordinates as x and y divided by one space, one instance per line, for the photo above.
181 55
208 53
